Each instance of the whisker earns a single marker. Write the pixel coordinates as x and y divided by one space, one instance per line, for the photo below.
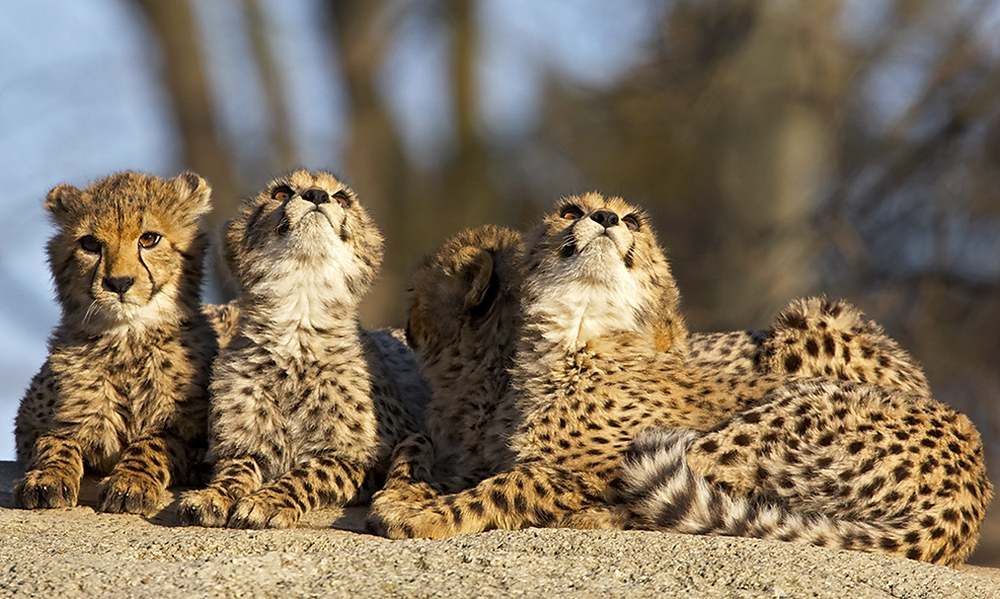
91 310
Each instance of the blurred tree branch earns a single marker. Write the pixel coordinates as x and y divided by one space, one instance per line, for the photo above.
184 74
279 124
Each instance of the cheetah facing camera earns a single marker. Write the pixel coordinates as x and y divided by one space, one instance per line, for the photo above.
587 379
305 404
124 390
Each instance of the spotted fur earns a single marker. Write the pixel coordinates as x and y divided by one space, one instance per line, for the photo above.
124 390
849 466
306 405
592 368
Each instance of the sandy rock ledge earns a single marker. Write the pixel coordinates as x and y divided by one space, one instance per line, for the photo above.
77 552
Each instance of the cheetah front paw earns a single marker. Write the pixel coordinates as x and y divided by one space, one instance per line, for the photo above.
132 493
46 488
263 509
399 491
205 507
406 520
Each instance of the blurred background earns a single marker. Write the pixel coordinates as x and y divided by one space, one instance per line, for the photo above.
784 148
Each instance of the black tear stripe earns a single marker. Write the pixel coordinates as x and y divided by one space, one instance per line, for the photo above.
568 247
255 216
630 256
343 229
153 289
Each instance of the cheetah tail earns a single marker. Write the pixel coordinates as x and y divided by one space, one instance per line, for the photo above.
665 494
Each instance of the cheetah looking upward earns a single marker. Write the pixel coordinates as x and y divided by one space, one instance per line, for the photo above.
463 326
124 389
591 371
305 404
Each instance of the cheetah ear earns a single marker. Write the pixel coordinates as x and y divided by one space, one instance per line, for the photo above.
476 269
194 193
63 200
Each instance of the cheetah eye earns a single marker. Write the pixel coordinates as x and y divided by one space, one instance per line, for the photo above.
342 198
90 244
149 239
281 193
631 222
571 213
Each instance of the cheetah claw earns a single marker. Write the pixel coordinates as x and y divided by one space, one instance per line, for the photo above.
129 493
45 489
205 507
261 510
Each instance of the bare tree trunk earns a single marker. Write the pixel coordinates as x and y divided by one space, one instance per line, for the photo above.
376 165
184 74
472 196
283 156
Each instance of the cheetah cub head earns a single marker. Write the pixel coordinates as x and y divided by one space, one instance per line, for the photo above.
466 294
127 249
593 268
303 248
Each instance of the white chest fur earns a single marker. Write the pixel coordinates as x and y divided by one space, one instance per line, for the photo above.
578 309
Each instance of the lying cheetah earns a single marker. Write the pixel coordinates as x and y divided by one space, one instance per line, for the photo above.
305 403
463 324
124 390
594 365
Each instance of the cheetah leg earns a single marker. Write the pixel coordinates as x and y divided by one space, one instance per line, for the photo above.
409 472
211 506
146 468
411 476
322 481
528 495
54 474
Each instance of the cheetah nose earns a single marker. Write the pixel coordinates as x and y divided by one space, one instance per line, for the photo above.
118 285
605 218
316 196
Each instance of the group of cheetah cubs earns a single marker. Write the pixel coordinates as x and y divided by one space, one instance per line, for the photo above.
547 379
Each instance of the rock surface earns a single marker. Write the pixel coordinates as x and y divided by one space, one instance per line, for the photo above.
77 552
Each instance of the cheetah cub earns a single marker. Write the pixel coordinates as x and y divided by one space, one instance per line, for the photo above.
124 390
597 362
305 403
462 326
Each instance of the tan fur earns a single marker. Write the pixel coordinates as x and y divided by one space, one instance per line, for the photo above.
123 392
306 405
592 370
